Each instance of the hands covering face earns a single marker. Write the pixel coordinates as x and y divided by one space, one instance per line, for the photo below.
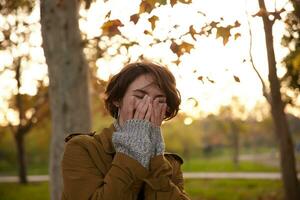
147 109
141 136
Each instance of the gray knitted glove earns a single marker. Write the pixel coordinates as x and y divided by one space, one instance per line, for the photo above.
133 139
157 141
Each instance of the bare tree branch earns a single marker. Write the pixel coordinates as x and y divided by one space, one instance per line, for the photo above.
264 87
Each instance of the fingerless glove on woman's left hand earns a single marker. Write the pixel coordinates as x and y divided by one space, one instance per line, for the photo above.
157 140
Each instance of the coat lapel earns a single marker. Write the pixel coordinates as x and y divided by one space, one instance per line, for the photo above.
105 138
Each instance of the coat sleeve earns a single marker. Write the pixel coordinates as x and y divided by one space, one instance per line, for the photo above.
165 180
83 180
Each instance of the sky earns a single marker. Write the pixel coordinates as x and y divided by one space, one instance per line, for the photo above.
209 57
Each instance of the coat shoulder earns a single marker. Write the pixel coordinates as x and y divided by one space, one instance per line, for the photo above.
79 136
174 156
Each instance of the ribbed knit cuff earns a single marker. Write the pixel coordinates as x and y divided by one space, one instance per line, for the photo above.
137 125
158 140
133 139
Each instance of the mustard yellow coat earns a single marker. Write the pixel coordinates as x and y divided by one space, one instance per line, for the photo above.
92 170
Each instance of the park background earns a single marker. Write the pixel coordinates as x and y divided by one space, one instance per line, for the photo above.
224 70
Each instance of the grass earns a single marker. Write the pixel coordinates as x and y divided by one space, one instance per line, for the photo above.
222 189
32 191
193 165
8 169
224 165
197 189
234 189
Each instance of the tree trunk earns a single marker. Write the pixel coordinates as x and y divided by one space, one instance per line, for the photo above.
287 157
68 78
19 134
19 139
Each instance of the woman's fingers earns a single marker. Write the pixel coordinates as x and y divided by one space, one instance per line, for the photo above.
163 112
142 108
155 111
159 112
149 112
131 108
159 119
138 107
130 111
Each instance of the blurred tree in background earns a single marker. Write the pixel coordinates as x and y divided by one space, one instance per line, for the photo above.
291 40
17 41
281 127
230 115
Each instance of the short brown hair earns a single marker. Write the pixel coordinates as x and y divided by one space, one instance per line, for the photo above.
118 84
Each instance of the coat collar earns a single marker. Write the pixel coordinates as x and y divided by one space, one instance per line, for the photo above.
105 137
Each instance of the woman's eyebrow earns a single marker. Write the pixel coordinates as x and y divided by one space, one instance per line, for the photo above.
145 92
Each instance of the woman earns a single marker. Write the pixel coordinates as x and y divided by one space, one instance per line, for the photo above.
128 161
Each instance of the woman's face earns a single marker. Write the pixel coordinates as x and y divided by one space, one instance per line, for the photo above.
141 86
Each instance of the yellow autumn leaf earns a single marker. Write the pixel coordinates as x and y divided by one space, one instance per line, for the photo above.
147 6
134 18
111 27
153 20
180 49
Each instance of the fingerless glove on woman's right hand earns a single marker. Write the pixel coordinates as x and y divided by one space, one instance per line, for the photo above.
133 139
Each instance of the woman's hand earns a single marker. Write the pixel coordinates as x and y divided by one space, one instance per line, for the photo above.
146 109
153 112
138 109
134 137
159 112
157 116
